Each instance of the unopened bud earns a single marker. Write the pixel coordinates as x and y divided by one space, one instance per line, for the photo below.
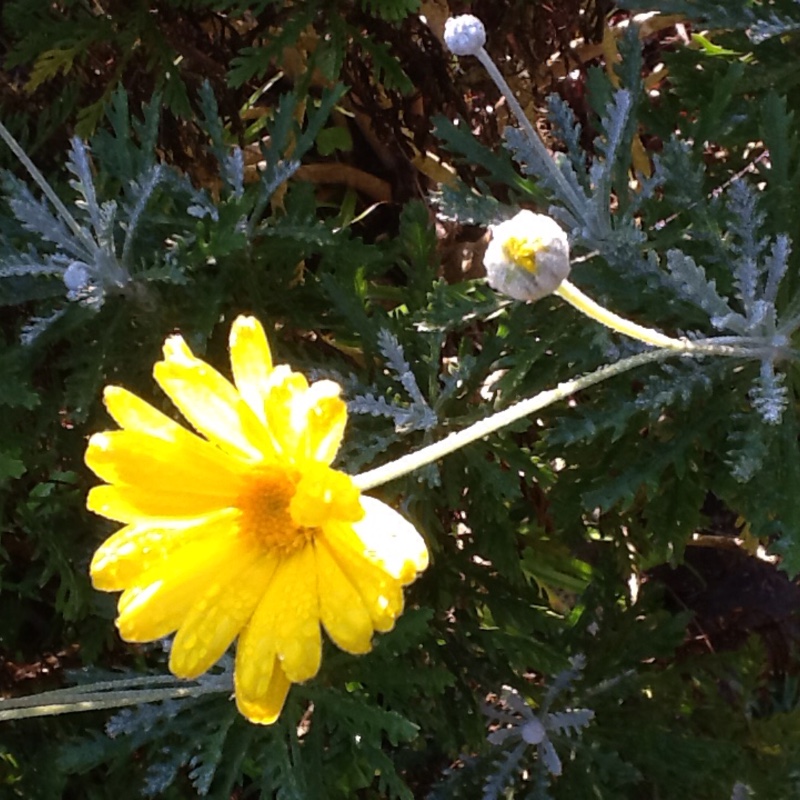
464 35
527 257
76 276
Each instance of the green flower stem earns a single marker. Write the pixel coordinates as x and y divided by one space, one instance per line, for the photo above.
575 297
455 441
531 132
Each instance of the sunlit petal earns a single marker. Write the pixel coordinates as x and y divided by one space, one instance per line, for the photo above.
129 457
294 600
134 504
130 411
325 494
208 400
381 594
251 363
255 654
129 553
287 390
160 602
322 420
262 707
217 618
342 610
391 540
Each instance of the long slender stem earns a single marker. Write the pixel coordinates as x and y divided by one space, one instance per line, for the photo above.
71 693
93 697
531 132
455 441
33 171
575 297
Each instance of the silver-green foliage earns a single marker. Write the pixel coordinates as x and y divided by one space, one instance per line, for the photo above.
522 728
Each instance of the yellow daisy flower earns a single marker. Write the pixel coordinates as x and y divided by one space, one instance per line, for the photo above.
244 530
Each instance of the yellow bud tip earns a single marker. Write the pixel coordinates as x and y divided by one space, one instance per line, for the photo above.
522 251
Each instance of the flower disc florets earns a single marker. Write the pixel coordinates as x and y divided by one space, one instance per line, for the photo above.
245 531
464 35
527 257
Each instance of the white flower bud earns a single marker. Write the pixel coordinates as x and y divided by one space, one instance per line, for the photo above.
533 732
464 35
76 276
527 257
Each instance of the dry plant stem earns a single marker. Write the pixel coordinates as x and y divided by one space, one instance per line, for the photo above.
455 441
90 702
103 694
576 298
344 175
530 131
33 171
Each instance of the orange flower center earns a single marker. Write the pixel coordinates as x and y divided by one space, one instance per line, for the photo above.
265 511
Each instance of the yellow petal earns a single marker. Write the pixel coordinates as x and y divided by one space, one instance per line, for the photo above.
391 540
323 421
286 392
324 494
255 655
128 554
285 622
209 401
133 504
217 618
342 610
263 708
381 594
159 604
251 362
133 458
130 411
295 604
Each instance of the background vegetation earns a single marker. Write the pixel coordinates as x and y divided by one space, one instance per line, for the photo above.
611 609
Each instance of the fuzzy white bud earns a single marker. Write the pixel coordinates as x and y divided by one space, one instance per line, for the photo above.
464 35
527 257
76 277
533 732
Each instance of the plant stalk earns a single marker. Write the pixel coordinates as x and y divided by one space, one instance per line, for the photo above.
495 422
576 298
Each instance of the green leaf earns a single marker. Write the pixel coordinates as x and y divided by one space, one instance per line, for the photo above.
329 140
253 62
393 10
89 118
780 137
459 140
418 237
11 466
317 118
710 122
385 67
711 49
51 63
